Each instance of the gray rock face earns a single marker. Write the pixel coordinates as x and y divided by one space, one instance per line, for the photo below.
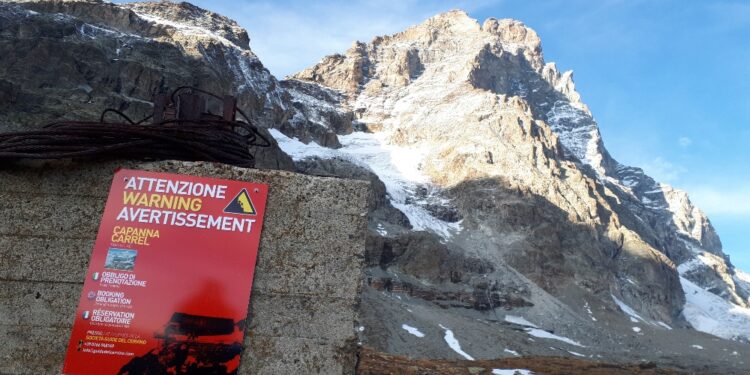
318 116
506 141
70 60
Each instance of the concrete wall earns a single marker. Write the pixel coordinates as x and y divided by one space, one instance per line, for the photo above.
304 304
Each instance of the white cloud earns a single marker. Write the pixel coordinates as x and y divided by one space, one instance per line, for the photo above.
684 141
715 200
662 170
288 39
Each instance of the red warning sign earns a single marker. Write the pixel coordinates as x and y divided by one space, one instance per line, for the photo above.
169 278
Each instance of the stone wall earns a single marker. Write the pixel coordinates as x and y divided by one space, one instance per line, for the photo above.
303 312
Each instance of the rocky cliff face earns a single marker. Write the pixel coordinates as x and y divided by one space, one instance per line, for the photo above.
484 103
499 158
499 224
71 59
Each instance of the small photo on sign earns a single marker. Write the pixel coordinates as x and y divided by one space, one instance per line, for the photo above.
120 259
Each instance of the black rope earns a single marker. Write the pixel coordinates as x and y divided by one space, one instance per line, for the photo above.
212 139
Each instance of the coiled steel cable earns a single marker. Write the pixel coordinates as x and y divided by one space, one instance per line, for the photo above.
212 139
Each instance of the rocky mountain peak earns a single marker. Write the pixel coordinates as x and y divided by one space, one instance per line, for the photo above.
516 35
453 22
491 129
450 46
512 31
563 83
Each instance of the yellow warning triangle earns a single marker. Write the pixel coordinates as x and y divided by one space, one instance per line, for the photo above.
241 204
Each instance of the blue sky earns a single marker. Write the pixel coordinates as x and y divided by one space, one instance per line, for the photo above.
667 80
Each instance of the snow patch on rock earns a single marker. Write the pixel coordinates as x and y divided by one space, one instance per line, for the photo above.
711 314
398 167
634 316
188 29
520 321
510 351
588 309
577 133
664 325
451 340
513 371
546 335
413 330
